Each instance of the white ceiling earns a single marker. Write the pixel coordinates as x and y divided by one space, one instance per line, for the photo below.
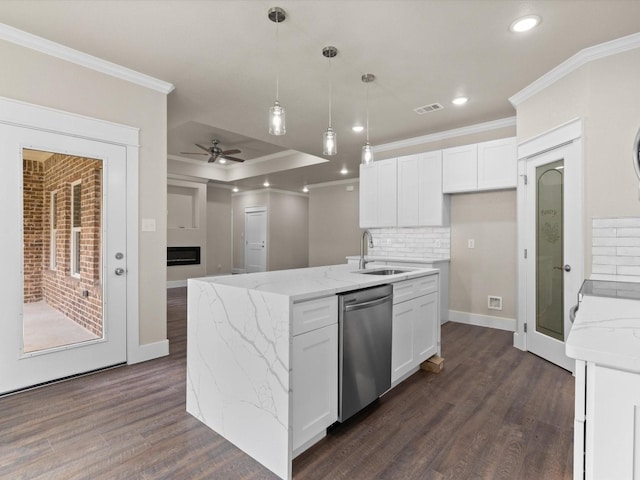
220 55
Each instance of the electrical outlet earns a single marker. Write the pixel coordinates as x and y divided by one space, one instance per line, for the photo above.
471 243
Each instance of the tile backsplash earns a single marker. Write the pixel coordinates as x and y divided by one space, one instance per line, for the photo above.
616 248
421 242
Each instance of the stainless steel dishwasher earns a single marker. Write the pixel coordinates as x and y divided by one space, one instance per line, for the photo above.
364 348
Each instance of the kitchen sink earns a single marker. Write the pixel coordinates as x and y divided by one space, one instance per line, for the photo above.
385 271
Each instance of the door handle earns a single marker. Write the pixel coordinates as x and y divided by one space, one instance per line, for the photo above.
120 271
566 268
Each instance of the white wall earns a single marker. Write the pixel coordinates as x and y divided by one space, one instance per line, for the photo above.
36 78
334 231
605 94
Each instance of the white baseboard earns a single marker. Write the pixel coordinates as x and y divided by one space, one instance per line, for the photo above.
149 351
483 320
519 341
176 283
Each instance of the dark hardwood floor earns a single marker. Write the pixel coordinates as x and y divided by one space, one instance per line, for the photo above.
493 413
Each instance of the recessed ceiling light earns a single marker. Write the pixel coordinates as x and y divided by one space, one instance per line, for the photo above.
460 100
266 183
357 128
235 189
305 189
344 171
525 24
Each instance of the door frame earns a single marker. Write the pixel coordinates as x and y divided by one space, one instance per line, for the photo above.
36 117
567 133
266 236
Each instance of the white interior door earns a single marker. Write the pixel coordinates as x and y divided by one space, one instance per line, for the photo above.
20 367
255 239
554 262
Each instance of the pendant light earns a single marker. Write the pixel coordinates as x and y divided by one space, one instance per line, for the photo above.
367 151
277 124
329 139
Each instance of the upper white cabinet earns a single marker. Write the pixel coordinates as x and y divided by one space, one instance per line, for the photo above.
484 166
378 194
460 169
497 164
420 198
403 192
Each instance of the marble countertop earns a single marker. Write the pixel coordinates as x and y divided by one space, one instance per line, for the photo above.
377 258
607 331
314 282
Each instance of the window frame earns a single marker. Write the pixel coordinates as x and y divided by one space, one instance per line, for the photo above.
76 234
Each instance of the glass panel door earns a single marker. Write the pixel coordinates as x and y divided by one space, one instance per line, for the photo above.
62 205
549 250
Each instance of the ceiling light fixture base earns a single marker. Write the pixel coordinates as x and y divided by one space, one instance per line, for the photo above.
329 52
277 15
368 77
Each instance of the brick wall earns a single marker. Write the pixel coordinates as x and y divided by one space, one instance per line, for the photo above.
33 204
80 299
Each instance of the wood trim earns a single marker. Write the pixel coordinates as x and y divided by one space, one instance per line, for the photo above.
500 323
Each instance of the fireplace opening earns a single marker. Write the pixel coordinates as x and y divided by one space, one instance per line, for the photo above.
183 256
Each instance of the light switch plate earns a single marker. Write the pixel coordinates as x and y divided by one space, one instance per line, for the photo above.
148 224
471 243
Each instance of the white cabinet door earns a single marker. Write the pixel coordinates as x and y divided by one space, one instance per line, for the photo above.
420 198
409 191
497 164
368 195
460 169
402 354
426 324
387 193
378 194
314 383
612 424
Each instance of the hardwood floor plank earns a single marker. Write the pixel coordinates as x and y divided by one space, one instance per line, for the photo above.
494 413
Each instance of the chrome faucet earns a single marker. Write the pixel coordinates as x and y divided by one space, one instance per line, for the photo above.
363 262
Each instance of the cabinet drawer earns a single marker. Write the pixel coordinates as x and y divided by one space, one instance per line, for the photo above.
408 289
314 314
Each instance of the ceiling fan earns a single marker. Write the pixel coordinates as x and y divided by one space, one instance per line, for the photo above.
215 153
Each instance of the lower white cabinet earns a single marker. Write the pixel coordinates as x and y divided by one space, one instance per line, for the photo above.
314 384
415 331
609 430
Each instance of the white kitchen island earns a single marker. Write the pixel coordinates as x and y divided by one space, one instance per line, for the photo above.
245 334
605 341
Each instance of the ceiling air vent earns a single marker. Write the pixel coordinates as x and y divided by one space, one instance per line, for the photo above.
428 108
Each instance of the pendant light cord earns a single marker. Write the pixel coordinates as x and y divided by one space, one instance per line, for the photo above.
330 93
367 112
277 63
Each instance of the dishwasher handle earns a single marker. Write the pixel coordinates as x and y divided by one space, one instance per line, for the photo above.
371 303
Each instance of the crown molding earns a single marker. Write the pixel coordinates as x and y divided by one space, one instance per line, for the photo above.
346 181
270 190
581 58
28 40
456 132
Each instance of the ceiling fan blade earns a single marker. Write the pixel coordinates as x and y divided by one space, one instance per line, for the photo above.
231 152
203 148
211 159
193 153
233 159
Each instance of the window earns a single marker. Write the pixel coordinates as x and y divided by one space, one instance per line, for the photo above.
53 232
76 214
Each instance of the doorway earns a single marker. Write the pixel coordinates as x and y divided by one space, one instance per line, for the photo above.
62 219
81 206
255 239
550 241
